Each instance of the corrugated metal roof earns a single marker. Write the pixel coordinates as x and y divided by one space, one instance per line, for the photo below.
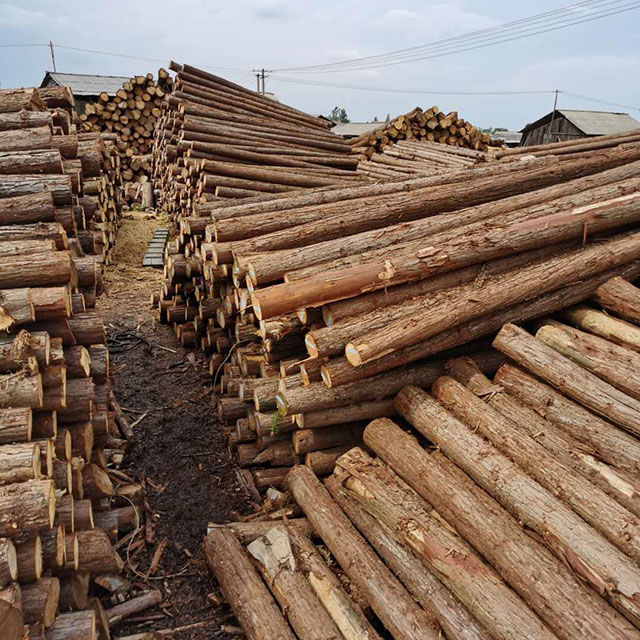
600 123
509 137
84 84
355 128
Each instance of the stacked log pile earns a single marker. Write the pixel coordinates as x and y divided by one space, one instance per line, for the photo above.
49 173
58 431
316 308
132 115
218 140
408 157
518 519
431 125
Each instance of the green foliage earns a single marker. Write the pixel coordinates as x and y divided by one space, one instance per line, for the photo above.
388 118
276 423
339 114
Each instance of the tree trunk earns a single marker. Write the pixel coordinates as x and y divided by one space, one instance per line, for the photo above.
40 601
604 514
603 325
388 598
611 444
547 585
302 608
620 297
576 382
593 558
248 597
457 590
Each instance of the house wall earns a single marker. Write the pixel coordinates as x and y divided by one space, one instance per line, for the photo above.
562 130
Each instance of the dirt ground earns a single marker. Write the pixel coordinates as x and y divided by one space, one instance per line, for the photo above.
179 452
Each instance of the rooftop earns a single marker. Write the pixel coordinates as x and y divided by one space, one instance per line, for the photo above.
84 84
592 123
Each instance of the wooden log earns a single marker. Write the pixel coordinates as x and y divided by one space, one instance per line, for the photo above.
608 361
16 425
505 291
350 413
74 592
466 590
248 597
19 463
26 507
121 611
302 608
20 119
53 548
603 325
307 440
16 307
386 595
96 482
59 186
11 624
575 381
40 601
95 553
604 513
8 562
21 390
55 268
29 554
621 298
611 444
547 585
29 208
80 625
30 161
593 558
323 462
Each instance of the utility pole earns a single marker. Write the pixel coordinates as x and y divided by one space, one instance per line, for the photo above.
260 76
553 116
258 82
53 57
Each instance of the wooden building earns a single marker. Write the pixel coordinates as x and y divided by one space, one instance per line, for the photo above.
568 124
86 87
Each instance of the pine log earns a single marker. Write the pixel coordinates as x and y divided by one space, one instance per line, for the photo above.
308 440
604 513
30 161
25 120
135 605
323 462
593 558
608 361
19 463
611 444
21 390
471 586
601 324
576 382
30 559
53 548
16 307
620 297
302 608
11 624
8 562
51 303
80 625
40 601
248 597
95 553
386 595
15 425
74 592
547 585
26 507
29 208
55 268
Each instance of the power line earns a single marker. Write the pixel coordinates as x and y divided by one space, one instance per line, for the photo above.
474 40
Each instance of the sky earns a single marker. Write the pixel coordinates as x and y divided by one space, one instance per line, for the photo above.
599 59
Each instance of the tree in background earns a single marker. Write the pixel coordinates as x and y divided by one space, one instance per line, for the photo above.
339 114
388 118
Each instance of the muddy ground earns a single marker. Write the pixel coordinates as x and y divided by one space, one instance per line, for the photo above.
179 452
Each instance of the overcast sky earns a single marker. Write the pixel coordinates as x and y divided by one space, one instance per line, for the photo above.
600 59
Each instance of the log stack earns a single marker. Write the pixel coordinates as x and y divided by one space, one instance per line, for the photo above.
57 427
50 173
316 308
132 115
217 140
430 125
518 518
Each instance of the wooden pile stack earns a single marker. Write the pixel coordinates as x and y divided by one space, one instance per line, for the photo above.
379 278
431 125
521 520
49 173
132 115
408 157
57 428
219 140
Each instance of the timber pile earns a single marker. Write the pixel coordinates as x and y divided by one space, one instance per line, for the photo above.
431 125
58 434
520 519
50 173
408 157
217 140
316 308
569 147
132 115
